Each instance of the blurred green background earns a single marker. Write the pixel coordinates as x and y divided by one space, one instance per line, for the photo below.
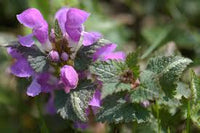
151 24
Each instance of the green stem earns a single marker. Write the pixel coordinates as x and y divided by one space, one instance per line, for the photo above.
43 127
158 117
188 118
134 129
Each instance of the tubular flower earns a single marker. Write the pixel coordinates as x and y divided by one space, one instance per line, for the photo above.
69 77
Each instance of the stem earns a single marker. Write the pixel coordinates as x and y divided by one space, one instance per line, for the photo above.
188 118
134 129
158 117
43 127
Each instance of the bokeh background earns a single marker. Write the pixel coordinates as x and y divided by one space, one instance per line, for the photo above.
154 25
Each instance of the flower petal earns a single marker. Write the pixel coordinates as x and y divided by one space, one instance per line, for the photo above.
34 89
31 18
104 50
61 16
90 37
41 33
114 56
69 77
96 99
75 18
26 41
21 68
74 33
50 108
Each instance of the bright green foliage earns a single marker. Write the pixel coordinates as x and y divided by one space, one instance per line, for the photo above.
168 70
116 110
84 55
148 89
132 63
73 105
109 72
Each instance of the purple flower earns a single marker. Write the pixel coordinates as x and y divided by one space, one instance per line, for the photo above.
80 125
64 56
71 22
69 77
42 83
54 55
107 52
32 18
96 99
21 67
49 107
90 37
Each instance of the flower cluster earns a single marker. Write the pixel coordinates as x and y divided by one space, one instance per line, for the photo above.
59 45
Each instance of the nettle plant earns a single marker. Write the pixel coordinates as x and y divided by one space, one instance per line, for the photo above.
89 82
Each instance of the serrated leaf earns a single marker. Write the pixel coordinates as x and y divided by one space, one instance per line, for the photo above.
74 105
107 71
117 110
148 90
110 88
195 87
84 55
132 63
38 60
168 69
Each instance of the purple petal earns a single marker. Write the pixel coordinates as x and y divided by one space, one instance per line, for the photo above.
61 16
90 37
47 82
41 33
34 89
114 56
50 108
104 50
31 18
69 77
21 67
96 99
26 41
64 56
74 33
80 125
75 18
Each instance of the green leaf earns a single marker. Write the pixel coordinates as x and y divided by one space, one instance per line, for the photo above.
38 60
72 106
108 71
110 88
195 87
132 63
182 90
117 110
168 70
149 88
58 32
84 55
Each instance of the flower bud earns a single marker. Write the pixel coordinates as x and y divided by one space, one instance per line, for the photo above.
64 56
54 55
69 77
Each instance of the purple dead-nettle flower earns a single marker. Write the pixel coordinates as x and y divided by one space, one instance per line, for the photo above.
54 55
64 56
43 82
69 77
21 67
107 52
32 18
